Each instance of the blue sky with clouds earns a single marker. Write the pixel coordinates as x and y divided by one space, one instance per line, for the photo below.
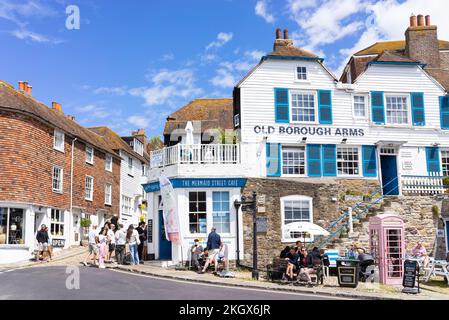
134 62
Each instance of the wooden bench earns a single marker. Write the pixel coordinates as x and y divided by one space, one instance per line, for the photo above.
276 269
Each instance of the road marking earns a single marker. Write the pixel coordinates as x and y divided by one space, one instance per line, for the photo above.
232 287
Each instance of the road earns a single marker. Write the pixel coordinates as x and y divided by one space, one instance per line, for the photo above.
49 283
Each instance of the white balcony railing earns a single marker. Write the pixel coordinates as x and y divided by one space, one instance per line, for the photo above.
196 154
422 185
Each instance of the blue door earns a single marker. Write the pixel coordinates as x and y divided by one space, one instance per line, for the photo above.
164 243
390 185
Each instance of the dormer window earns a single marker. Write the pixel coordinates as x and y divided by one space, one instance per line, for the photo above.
301 73
138 147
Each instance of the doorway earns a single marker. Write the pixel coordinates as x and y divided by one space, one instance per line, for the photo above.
389 169
164 243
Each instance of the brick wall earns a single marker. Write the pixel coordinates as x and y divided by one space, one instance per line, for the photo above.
27 158
422 45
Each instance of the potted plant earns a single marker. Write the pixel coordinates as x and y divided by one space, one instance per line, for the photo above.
85 224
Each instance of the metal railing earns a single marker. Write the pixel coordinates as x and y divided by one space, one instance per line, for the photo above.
196 154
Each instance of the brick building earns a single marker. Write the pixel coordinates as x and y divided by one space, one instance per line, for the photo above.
52 171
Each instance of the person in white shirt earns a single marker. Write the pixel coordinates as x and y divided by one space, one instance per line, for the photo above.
132 237
111 241
93 249
120 243
102 242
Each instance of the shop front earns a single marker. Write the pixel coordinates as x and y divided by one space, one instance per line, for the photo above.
201 204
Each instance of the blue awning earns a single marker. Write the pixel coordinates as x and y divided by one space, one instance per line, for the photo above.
198 183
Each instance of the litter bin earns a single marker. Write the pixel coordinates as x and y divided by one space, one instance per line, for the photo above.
348 272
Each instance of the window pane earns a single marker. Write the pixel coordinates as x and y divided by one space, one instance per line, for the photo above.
397 110
293 161
16 230
221 212
445 162
303 107
3 224
348 161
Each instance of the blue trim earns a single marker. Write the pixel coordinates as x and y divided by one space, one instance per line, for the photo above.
332 160
433 160
270 157
444 114
404 63
281 105
378 107
292 58
198 183
369 161
324 106
417 109
314 148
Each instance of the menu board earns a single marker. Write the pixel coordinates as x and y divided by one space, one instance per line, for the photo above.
150 231
410 270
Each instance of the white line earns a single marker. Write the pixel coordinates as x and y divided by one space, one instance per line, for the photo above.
233 287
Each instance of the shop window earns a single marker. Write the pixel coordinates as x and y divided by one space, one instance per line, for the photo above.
445 162
293 161
296 209
197 212
397 110
348 161
221 212
303 107
12 226
57 223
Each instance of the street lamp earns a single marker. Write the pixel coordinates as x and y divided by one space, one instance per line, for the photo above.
252 205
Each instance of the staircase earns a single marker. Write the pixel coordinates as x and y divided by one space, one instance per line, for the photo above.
361 212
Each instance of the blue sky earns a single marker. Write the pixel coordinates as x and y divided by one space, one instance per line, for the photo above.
134 62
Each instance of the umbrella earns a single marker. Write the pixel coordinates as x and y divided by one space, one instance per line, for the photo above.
189 141
306 227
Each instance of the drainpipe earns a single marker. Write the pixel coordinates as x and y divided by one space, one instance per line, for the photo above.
71 178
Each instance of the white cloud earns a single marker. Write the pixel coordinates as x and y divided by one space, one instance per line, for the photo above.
139 121
224 79
93 112
222 39
168 57
119 91
254 54
261 10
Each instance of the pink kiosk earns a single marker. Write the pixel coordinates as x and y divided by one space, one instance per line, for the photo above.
387 245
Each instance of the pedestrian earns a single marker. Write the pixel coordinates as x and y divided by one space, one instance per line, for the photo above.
111 243
42 242
120 244
132 237
114 221
196 252
102 245
50 246
213 247
93 250
142 237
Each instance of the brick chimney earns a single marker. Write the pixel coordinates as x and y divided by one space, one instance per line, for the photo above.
71 118
56 106
138 133
282 43
422 41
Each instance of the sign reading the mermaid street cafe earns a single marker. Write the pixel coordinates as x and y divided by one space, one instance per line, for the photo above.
310 131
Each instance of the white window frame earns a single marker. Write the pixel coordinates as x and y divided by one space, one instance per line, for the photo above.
295 198
61 134
315 101
306 73
91 159
61 179
108 194
360 162
90 196
229 211
60 222
127 205
130 166
282 161
209 217
366 96
409 109
138 146
108 163
443 150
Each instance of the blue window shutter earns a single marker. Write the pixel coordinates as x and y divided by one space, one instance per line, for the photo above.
369 158
329 160
444 112
273 159
314 160
325 106
281 105
418 114
433 160
378 107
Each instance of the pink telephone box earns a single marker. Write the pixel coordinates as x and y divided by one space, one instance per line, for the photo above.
387 246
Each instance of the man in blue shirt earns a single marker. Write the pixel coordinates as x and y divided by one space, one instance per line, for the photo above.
213 247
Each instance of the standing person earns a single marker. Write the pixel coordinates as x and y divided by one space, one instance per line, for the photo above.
213 247
132 237
102 243
196 252
120 244
114 221
50 246
142 237
93 250
111 242
42 242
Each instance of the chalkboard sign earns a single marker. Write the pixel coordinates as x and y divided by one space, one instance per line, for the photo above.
410 271
150 231
58 243
262 224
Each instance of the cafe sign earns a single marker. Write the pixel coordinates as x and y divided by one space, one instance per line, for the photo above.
309 131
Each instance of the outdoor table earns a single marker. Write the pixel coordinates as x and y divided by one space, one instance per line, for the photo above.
438 268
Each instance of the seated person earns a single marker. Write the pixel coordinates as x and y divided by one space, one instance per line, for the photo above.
419 252
305 267
292 263
316 256
298 246
222 257
354 251
196 250
285 252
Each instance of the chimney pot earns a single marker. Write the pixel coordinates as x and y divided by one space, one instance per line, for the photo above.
428 21
21 86
420 20
413 21
278 33
56 106
286 34
29 89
